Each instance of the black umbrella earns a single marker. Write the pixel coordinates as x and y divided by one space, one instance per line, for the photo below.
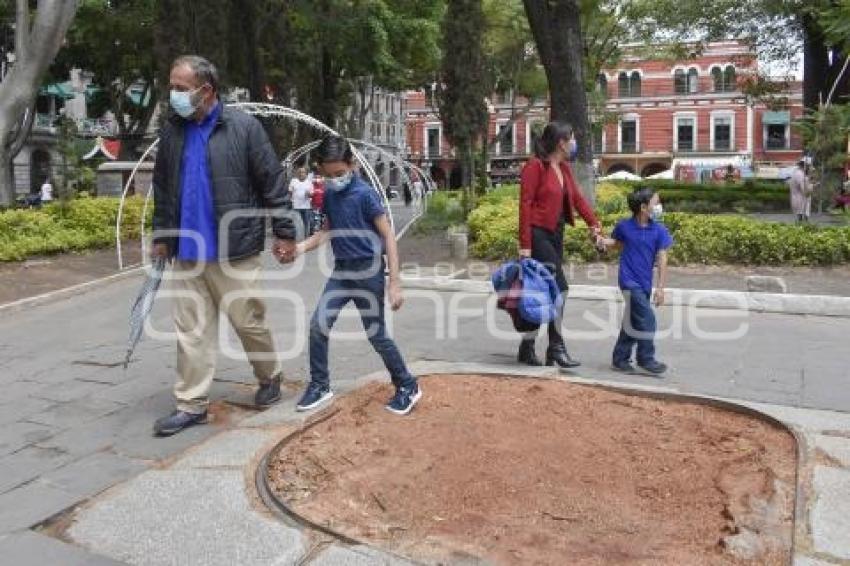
143 305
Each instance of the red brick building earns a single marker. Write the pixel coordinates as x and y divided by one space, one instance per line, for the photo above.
690 117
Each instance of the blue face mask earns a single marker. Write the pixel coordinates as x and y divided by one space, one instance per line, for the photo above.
339 183
657 212
181 102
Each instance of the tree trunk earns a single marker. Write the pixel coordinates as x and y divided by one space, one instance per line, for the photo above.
556 27
329 80
815 63
250 30
7 177
37 45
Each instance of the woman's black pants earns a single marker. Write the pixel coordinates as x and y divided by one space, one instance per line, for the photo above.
548 248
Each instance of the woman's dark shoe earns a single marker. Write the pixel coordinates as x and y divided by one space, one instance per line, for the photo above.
558 356
527 355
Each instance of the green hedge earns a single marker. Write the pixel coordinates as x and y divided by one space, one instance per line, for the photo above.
748 185
444 209
744 197
80 224
710 239
682 197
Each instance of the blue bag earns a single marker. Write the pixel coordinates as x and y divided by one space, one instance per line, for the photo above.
541 298
528 291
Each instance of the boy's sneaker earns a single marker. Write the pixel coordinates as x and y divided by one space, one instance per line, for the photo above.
623 367
404 399
654 367
313 397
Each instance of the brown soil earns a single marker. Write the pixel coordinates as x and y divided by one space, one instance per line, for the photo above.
519 471
37 275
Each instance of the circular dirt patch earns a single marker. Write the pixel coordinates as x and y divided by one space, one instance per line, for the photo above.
524 471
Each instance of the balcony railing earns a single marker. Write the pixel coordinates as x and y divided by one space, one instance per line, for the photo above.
89 127
666 91
44 122
631 149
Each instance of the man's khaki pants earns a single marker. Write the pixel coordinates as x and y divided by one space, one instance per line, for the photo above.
234 289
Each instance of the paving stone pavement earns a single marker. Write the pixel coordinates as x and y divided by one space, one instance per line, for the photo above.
337 555
182 517
34 549
831 511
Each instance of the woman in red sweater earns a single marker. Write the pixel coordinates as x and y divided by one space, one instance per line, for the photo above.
549 199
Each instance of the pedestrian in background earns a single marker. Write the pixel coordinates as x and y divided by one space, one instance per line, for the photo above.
801 192
46 195
300 190
318 202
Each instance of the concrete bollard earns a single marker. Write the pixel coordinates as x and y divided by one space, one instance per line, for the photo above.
766 284
459 244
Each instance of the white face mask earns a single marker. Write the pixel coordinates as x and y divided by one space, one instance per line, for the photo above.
339 183
657 212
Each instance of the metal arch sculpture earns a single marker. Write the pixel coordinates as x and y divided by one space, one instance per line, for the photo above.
402 164
121 207
298 153
256 109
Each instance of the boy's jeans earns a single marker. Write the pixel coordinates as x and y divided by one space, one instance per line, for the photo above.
360 281
639 328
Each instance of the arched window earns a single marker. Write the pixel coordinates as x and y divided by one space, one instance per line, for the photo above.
693 81
602 84
717 78
680 82
729 79
623 85
635 83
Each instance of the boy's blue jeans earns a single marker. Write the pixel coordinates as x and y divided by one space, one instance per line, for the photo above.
362 282
639 328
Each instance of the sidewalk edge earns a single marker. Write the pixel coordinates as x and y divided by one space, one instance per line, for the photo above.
815 305
58 294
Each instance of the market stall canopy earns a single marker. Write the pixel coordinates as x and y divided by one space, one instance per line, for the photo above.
668 175
621 176
59 90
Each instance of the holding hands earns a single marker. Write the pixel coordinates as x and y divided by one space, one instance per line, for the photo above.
285 251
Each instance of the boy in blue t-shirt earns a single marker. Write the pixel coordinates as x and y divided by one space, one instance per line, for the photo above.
357 225
644 242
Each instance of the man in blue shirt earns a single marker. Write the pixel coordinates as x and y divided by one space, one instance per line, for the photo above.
360 233
215 176
644 241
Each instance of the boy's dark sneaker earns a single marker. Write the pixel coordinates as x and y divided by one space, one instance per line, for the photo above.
268 393
654 367
177 421
404 399
623 367
313 397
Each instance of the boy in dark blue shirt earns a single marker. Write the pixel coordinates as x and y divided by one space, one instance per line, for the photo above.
356 222
644 242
